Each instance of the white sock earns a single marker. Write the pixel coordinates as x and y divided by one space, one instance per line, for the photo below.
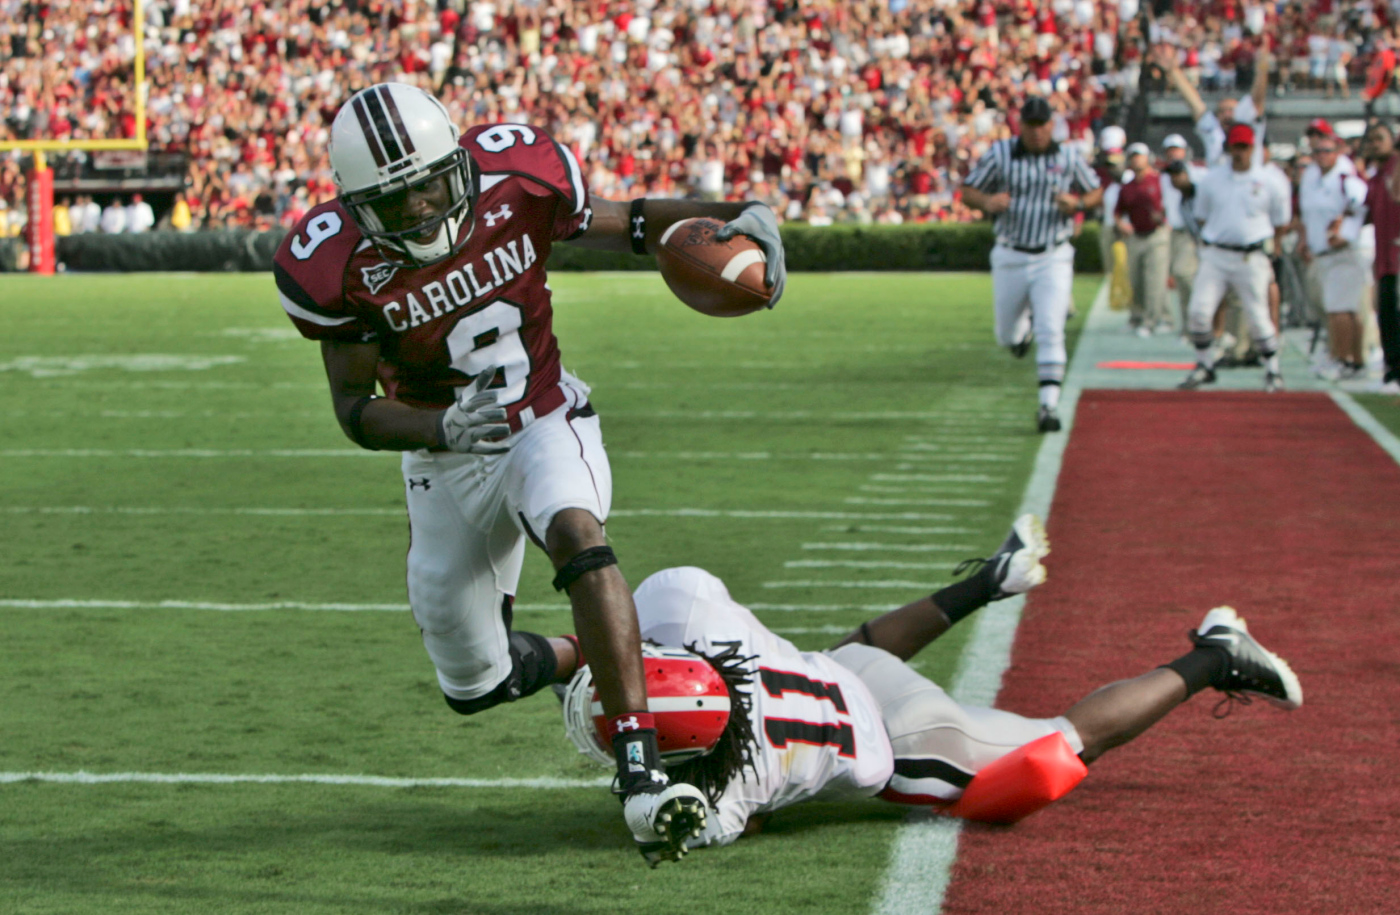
1271 364
1050 395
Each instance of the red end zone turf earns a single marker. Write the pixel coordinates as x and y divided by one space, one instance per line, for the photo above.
1167 505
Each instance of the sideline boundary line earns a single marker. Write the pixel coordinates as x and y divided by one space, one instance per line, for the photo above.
1368 423
925 847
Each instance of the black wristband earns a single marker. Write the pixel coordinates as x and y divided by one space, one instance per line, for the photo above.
352 422
637 226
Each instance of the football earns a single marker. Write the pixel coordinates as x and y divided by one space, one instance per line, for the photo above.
723 279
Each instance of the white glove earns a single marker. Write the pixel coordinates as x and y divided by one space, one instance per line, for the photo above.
465 426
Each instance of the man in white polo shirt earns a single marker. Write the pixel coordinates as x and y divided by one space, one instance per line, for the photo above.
1332 204
1239 205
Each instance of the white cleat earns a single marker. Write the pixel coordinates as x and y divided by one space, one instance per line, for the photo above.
663 818
1015 567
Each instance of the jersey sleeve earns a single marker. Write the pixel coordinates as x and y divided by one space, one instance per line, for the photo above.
986 174
549 167
1212 136
309 269
1082 176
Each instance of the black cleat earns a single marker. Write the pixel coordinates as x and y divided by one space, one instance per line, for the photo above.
1273 381
1254 670
1047 419
1199 375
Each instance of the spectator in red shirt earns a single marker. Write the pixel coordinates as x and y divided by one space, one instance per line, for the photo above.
1142 224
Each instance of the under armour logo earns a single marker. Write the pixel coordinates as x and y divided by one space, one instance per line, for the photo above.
638 224
503 213
415 484
630 723
587 220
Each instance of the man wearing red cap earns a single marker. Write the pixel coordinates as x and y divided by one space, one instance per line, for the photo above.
1240 205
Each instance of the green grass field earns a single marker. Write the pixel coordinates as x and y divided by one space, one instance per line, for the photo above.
169 439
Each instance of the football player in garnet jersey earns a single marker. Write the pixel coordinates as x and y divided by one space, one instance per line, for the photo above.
759 725
425 281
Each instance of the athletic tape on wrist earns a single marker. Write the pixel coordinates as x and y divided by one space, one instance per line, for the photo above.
637 226
353 422
595 557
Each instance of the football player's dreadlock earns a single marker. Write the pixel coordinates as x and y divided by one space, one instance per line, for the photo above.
733 753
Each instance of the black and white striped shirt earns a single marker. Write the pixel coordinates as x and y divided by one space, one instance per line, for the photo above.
1034 181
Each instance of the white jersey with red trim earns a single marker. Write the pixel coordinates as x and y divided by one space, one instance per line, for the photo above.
818 729
440 326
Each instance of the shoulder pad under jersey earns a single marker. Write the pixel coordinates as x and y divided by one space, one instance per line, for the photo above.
518 149
309 269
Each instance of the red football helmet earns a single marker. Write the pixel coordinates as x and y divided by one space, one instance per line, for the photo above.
685 694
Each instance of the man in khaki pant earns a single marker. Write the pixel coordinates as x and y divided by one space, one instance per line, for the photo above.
1142 223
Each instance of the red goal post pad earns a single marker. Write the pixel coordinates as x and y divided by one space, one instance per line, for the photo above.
1021 782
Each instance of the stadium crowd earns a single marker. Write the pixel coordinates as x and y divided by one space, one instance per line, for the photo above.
829 111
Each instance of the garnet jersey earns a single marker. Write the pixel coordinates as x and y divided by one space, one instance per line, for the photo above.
439 326
818 729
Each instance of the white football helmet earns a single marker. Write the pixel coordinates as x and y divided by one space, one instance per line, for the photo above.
386 139
685 694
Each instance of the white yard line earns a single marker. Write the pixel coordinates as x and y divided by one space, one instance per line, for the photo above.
863 545
794 515
268 606
776 514
823 608
949 503
935 478
921 859
371 781
848 585
887 529
868 564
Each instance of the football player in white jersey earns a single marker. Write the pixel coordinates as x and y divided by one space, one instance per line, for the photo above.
759 725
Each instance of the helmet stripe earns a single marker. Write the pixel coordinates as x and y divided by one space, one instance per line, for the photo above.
381 126
370 137
401 130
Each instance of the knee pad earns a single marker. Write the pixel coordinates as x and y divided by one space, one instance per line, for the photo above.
591 559
532 667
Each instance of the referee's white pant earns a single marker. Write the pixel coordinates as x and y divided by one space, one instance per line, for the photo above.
1032 295
1248 274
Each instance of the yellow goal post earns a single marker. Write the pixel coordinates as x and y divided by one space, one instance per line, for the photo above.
138 142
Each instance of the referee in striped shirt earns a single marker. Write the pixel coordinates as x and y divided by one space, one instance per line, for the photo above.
1033 187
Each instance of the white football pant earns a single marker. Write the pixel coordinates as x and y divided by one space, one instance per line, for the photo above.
1249 276
469 516
926 726
1031 293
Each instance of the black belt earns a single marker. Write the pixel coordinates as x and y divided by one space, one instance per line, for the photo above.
1024 250
1243 249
